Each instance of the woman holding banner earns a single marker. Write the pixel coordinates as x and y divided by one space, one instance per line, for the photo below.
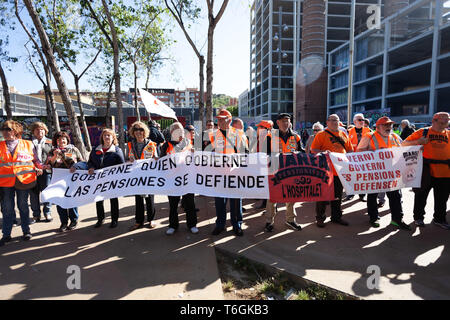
179 143
107 154
141 148
64 156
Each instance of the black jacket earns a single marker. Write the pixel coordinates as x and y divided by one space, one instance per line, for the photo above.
156 135
98 159
406 132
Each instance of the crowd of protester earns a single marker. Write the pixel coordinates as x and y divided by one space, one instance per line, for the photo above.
26 166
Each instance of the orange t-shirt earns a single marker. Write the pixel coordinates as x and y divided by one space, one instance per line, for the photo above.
324 141
438 148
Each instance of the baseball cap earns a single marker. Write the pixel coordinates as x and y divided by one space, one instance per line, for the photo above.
383 120
283 115
224 114
441 115
268 124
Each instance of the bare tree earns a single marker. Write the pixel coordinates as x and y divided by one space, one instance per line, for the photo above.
209 64
50 57
47 88
180 9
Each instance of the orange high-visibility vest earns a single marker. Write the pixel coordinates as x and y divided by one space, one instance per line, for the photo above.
171 150
148 152
354 136
377 142
20 165
290 146
221 144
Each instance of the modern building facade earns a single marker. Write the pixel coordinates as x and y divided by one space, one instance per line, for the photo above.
243 105
400 69
289 42
25 105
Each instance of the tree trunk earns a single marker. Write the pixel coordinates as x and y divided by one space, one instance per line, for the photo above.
82 118
148 77
136 93
49 112
209 73
108 105
52 100
46 48
6 94
116 75
201 103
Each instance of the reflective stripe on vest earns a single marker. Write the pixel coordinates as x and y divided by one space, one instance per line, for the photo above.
223 145
5 164
375 142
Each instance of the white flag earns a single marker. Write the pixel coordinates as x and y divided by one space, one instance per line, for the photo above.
153 105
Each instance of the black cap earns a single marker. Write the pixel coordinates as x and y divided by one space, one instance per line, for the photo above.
283 115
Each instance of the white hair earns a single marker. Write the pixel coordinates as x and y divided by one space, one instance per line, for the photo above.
318 124
405 121
358 115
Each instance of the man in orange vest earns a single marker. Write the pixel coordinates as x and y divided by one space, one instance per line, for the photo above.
227 140
335 140
283 140
436 169
19 167
355 134
383 138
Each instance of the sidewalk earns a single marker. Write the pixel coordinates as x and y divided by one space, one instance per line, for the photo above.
114 263
413 265
147 264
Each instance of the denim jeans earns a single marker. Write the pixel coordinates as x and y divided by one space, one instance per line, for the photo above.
235 212
43 181
9 213
65 214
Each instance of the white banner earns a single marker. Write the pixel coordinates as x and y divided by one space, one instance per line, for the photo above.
379 171
217 175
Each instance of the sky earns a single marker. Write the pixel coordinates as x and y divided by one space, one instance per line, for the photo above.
231 57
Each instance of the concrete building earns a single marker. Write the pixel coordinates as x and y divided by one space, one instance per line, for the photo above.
289 42
26 105
401 69
243 106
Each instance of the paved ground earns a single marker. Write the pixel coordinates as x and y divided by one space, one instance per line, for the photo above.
147 264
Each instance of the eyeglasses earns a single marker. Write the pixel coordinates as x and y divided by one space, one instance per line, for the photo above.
6 129
139 129
360 120
316 130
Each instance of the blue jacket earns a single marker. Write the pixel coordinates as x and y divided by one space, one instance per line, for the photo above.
98 159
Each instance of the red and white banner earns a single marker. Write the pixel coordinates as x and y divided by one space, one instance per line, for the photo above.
301 177
379 171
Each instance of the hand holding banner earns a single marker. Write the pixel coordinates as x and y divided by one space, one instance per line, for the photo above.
379 171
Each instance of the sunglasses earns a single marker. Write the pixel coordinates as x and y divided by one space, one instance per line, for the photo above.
139 129
360 120
6 129
316 129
